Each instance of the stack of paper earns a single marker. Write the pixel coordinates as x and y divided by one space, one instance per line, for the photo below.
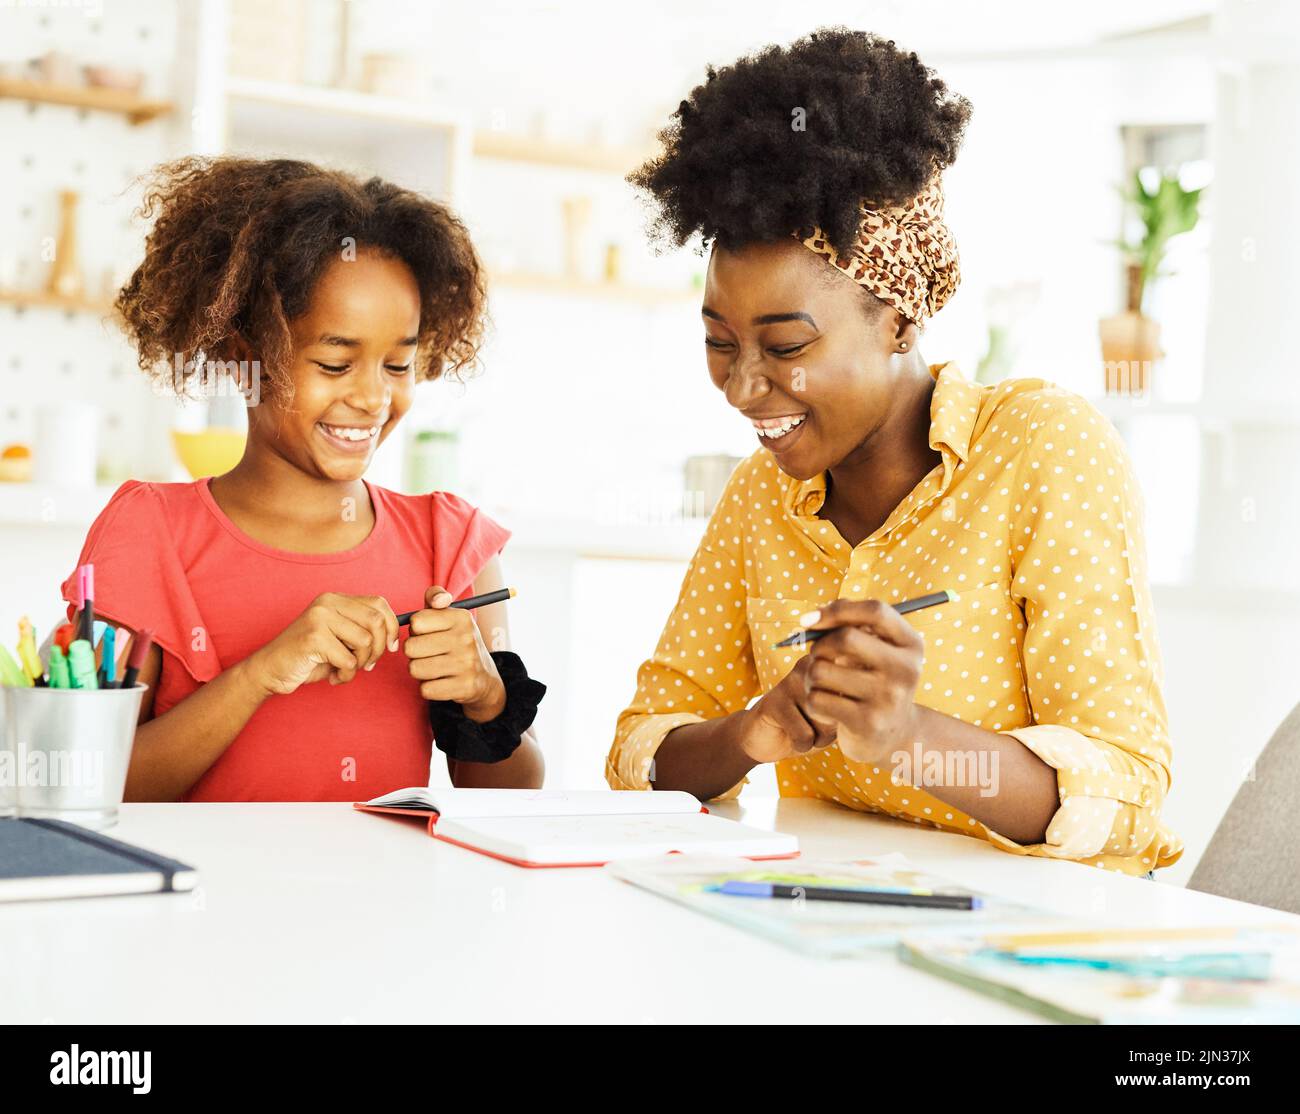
1128 976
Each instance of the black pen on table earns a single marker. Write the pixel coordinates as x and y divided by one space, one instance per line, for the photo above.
467 604
799 638
737 888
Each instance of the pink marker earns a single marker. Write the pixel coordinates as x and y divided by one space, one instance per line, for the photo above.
86 584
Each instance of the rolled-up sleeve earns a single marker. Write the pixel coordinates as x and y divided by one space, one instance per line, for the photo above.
1091 658
703 666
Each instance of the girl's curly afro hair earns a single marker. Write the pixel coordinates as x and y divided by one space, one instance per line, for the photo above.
238 245
791 137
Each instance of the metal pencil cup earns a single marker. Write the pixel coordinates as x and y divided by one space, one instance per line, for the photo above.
65 752
8 788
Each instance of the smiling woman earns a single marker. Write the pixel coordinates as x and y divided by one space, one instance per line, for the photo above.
287 571
812 173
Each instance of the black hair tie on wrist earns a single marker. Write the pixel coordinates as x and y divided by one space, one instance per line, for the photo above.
459 737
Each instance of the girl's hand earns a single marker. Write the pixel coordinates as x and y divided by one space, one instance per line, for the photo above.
861 680
335 637
450 661
779 725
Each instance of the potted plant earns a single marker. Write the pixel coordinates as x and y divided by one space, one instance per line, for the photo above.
1130 341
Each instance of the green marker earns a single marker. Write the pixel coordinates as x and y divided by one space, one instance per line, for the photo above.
59 676
81 663
10 672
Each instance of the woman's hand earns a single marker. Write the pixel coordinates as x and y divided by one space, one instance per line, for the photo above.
335 637
861 679
450 661
779 725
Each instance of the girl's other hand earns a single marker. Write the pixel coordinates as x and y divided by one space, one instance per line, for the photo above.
335 637
450 660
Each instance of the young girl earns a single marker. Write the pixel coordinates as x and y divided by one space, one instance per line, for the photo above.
1028 712
278 670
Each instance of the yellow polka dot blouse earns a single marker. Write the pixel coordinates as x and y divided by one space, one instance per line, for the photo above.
1035 519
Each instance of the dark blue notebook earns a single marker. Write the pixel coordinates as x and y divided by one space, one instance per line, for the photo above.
50 858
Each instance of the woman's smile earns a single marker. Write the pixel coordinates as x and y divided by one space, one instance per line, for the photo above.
781 432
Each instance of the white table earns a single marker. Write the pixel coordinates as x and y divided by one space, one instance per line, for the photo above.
317 913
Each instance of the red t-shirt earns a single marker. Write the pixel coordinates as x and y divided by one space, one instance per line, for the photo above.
167 557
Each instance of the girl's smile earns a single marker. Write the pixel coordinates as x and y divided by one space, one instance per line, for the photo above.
351 440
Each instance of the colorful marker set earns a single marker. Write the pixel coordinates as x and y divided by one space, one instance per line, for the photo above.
73 661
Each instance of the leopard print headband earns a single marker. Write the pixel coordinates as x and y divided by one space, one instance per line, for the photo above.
904 254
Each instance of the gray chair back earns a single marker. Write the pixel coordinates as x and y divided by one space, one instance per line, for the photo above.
1255 853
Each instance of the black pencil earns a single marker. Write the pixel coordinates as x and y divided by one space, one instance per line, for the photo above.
467 604
799 638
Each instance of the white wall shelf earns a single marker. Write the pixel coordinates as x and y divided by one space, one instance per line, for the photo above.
1119 408
271 105
418 145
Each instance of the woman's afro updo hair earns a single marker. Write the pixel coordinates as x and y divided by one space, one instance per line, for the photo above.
238 245
791 137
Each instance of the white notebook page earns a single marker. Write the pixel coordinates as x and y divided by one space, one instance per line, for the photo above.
597 838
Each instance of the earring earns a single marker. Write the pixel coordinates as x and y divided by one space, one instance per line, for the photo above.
902 345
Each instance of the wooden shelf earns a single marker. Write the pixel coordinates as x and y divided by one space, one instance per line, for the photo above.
548 152
40 299
136 109
559 285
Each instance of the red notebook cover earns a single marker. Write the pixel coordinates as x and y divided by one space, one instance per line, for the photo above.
420 814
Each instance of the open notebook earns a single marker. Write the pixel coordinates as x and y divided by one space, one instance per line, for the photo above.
541 827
